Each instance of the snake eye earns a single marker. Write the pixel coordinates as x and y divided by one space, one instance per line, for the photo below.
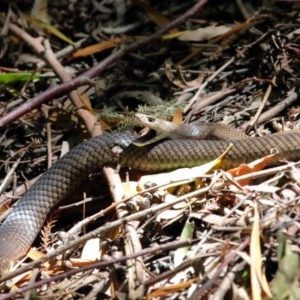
151 120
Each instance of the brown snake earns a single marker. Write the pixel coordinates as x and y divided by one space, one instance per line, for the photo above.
21 227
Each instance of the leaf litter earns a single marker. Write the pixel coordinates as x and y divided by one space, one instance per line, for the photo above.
223 235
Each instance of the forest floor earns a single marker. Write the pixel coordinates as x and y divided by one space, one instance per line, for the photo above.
79 68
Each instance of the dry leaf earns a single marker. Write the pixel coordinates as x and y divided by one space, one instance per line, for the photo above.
154 15
169 214
96 48
258 279
216 219
51 29
40 10
177 116
177 177
254 166
202 34
91 250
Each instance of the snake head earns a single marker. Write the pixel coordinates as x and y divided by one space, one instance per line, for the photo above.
158 130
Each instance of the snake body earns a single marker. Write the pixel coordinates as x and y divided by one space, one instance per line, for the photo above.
21 227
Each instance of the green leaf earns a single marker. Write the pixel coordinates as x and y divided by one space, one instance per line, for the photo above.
285 284
17 77
186 234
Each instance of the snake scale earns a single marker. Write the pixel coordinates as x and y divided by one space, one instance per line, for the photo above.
21 227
